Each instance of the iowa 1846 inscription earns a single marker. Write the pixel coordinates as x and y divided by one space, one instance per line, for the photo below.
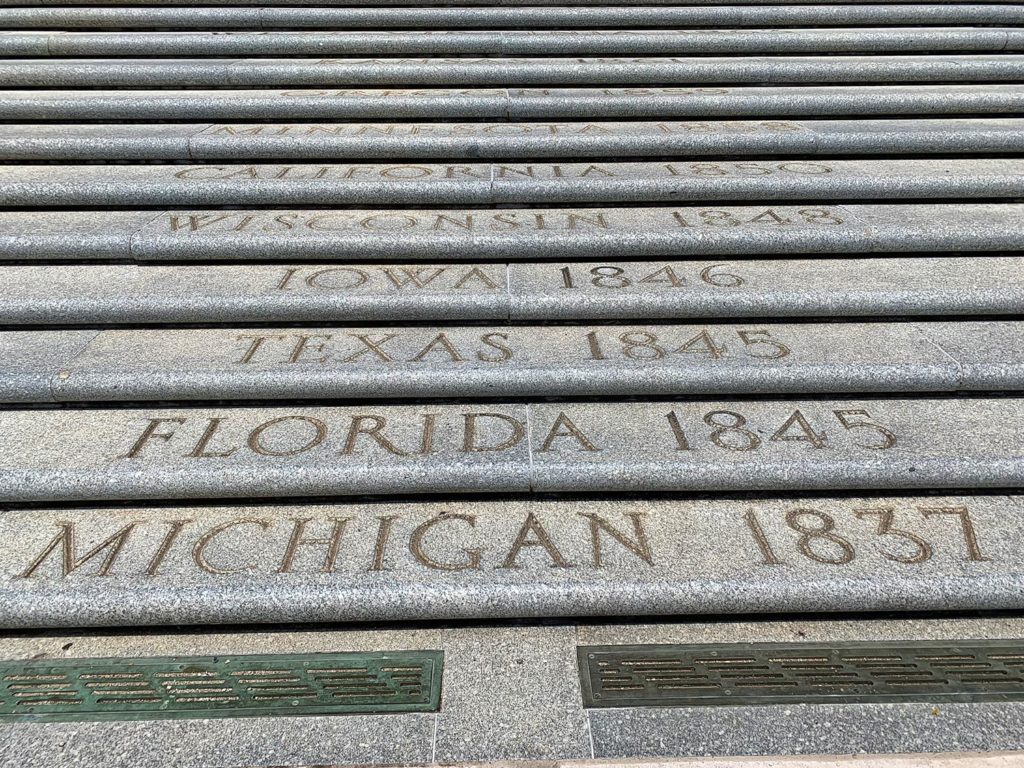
188 565
318 293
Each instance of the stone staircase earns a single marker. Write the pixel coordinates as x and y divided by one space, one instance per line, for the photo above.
402 383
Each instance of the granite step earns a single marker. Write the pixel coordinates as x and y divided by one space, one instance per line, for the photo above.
523 183
459 3
671 446
521 17
501 103
380 363
508 140
514 42
385 235
457 560
122 294
293 72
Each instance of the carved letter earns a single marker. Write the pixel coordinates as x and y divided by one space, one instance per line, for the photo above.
641 548
469 444
296 541
319 433
379 422
199 550
571 430
532 525
150 432
65 540
416 545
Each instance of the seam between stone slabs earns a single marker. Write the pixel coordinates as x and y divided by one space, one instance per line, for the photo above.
433 739
509 314
189 148
586 712
529 444
66 364
134 236
960 376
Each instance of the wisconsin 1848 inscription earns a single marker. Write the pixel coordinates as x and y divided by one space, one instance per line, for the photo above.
498 559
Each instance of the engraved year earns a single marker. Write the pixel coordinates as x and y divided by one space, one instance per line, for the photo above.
818 537
612 276
710 217
747 169
644 345
731 431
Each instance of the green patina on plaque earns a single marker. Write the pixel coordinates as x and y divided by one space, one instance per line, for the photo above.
776 673
175 687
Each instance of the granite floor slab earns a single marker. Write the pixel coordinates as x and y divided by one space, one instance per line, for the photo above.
395 141
160 453
456 560
513 693
410 293
241 364
512 182
459 3
512 103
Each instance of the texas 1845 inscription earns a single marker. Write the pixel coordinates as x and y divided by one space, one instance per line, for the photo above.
454 361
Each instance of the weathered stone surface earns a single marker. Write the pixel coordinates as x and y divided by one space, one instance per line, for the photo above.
127 294
498 17
457 560
513 103
394 141
348 72
155 453
459 3
512 42
512 182
402 234
26 366
508 361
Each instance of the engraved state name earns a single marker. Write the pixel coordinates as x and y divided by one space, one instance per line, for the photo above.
503 129
774 539
420 435
592 220
489 173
